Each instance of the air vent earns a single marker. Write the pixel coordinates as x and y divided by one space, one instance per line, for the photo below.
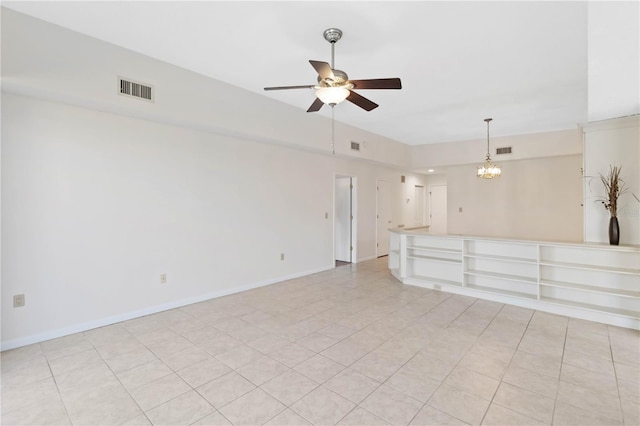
504 150
135 89
355 146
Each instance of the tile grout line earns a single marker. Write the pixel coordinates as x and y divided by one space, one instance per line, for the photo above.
615 376
55 381
524 332
564 348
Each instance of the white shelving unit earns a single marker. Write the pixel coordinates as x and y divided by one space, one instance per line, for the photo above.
508 268
589 281
434 260
591 278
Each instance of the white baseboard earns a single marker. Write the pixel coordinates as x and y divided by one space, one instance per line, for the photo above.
102 322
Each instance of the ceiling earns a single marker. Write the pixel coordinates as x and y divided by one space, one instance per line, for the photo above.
522 63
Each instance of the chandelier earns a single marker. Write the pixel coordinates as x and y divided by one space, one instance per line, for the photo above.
488 170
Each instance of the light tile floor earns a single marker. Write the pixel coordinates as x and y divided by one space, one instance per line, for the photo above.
350 346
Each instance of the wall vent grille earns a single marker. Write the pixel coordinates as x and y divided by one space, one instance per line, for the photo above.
135 89
355 146
503 150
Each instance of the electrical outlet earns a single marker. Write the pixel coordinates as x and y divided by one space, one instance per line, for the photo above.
281 256
18 300
163 278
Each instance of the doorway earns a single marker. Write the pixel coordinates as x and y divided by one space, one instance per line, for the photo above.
384 216
344 220
438 209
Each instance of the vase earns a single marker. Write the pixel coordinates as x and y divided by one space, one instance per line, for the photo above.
614 231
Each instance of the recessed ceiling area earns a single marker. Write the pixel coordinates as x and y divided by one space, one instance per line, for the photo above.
522 63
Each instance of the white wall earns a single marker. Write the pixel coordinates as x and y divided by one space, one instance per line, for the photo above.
608 143
96 206
538 196
537 199
613 59
535 145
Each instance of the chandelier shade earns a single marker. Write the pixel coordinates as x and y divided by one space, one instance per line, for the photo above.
488 170
332 95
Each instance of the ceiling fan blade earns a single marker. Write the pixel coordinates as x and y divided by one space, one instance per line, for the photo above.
289 87
361 101
324 69
377 83
316 105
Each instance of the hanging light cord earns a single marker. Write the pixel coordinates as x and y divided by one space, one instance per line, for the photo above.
333 121
488 154
333 132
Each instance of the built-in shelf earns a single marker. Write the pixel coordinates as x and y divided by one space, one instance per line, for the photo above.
434 258
503 276
503 258
436 280
592 307
591 288
502 291
590 267
435 249
596 282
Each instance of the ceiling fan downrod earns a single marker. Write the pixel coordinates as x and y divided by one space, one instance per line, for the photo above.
332 35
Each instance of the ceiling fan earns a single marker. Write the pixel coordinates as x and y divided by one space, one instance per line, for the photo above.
334 85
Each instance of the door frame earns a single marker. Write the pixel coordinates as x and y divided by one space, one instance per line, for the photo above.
378 213
354 218
424 204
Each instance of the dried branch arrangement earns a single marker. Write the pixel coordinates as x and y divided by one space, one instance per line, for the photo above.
614 187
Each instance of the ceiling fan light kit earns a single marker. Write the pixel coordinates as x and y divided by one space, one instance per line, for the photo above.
332 95
488 170
334 85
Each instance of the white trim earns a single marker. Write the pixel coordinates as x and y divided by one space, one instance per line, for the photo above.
364 259
78 328
377 213
354 216
611 123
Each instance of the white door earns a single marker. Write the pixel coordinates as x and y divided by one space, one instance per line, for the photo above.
384 217
438 209
418 197
343 219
